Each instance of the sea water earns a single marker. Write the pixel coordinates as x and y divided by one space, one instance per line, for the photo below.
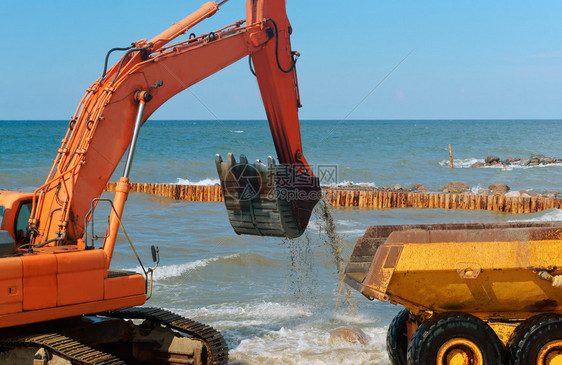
274 300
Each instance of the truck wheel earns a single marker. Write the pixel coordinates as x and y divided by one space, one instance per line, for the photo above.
455 338
397 338
538 340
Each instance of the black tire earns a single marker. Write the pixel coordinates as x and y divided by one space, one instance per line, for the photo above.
531 335
432 334
397 338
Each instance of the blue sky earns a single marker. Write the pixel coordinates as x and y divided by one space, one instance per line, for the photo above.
469 59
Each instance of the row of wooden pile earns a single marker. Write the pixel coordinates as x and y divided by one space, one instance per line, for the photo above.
368 198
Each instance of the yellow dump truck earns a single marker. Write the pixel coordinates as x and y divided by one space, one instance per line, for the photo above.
472 293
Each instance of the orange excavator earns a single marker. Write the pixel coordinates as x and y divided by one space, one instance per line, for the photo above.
59 299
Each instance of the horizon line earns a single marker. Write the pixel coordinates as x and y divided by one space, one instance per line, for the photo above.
306 119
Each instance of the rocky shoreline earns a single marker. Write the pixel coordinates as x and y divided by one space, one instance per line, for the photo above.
533 160
456 187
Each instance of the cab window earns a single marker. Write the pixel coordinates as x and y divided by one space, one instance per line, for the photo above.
22 220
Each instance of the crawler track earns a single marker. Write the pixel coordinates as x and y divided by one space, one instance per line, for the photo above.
81 354
216 345
64 347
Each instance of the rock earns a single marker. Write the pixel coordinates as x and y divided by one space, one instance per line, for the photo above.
525 161
456 187
467 192
491 159
419 187
533 163
509 159
513 194
546 160
483 191
549 194
499 188
349 334
397 187
525 194
477 164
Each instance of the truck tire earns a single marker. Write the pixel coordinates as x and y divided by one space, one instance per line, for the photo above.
445 338
537 340
397 338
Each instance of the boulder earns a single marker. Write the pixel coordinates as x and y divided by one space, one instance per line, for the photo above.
397 187
349 334
491 159
525 161
477 164
513 194
546 160
456 187
467 192
499 188
525 194
419 187
483 191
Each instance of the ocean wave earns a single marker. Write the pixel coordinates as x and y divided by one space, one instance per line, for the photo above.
310 345
204 182
249 314
468 162
476 188
172 271
548 215
317 224
352 183
231 131
461 163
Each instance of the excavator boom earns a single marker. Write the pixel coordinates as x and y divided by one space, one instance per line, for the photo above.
51 273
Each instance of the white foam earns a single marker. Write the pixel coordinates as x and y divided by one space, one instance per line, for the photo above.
249 314
352 183
461 163
476 188
468 162
204 182
236 131
548 215
171 271
310 345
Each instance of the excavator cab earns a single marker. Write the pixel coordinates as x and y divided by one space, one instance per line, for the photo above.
267 200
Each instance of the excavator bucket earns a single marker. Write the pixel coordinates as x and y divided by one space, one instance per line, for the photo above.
266 200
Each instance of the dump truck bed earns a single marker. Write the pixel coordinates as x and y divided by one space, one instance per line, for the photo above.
364 252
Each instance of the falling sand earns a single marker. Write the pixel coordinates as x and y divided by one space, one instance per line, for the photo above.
330 237
302 276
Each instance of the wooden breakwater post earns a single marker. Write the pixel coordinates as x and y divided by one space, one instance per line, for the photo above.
369 198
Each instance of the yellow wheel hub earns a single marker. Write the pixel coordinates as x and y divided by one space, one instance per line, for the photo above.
550 354
460 351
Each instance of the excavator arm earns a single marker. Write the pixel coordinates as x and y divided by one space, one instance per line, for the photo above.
109 116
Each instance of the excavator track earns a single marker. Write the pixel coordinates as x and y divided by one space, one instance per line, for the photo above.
216 345
64 347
